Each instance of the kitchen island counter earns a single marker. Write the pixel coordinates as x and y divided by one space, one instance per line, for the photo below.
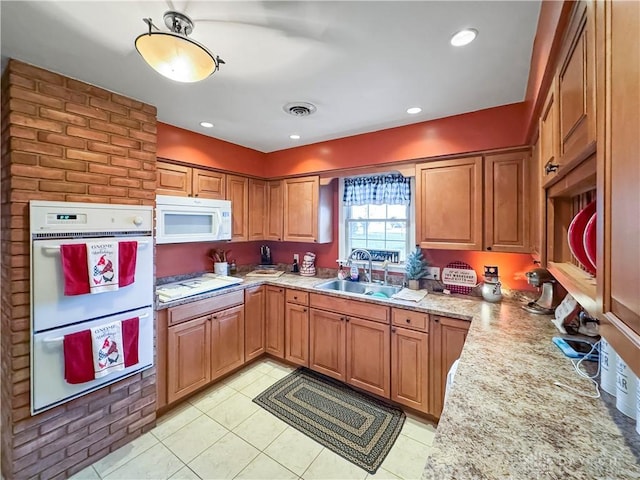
505 418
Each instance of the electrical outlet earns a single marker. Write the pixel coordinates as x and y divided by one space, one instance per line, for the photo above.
296 258
433 273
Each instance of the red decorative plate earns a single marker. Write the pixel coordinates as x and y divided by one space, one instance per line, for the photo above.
576 235
589 240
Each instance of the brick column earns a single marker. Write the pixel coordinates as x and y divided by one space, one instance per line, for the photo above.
65 140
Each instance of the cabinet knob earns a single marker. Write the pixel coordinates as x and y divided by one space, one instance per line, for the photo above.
408 320
436 319
215 317
342 319
489 248
550 167
347 318
196 194
295 298
393 330
304 309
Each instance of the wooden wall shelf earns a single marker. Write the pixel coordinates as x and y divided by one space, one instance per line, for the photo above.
578 283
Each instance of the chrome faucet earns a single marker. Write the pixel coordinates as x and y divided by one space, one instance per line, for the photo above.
362 250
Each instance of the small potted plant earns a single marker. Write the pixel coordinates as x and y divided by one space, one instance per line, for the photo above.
415 268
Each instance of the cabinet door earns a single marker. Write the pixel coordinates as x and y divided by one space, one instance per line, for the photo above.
174 180
297 334
257 209
238 193
327 343
537 211
227 341
275 207
549 132
449 204
576 86
188 357
369 356
275 321
506 223
207 184
301 209
448 336
618 258
254 322
410 368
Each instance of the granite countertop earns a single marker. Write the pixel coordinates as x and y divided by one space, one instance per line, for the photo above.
505 418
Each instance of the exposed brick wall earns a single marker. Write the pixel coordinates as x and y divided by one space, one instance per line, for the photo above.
65 140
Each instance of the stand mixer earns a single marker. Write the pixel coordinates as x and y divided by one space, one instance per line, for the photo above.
547 302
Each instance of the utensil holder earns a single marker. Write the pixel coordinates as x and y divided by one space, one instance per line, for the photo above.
221 268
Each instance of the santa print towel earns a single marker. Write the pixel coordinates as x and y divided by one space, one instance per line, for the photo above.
76 271
102 263
81 354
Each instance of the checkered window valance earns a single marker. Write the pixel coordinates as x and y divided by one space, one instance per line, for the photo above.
392 189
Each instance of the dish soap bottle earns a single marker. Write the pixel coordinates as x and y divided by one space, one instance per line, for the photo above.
354 272
341 273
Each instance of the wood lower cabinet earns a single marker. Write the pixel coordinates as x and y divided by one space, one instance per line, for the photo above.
449 204
227 341
254 322
327 344
297 334
274 319
447 339
258 209
238 193
368 356
189 357
506 198
410 368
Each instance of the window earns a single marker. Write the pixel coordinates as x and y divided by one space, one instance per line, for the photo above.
376 226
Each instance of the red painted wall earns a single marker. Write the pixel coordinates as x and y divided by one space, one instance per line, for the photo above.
497 127
178 144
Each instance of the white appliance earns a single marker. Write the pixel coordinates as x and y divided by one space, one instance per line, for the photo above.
182 219
54 315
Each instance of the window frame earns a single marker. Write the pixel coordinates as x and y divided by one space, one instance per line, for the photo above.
342 227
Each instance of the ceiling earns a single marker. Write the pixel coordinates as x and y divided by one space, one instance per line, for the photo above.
361 63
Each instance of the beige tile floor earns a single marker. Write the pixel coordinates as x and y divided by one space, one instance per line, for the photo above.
221 434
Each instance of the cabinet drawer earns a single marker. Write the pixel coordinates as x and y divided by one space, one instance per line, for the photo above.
378 313
185 312
297 296
410 319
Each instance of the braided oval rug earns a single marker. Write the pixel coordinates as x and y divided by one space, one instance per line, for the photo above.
359 428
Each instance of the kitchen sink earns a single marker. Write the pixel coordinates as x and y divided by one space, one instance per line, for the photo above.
367 289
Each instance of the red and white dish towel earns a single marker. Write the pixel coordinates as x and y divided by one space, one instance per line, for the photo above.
99 351
98 267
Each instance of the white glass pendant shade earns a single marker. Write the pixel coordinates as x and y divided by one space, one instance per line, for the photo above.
176 56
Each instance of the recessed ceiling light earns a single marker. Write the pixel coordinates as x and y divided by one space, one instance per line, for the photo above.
464 37
413 110
206 124
294 136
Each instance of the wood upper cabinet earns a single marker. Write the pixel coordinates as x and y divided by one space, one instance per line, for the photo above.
449 204
182 181
297 334
327 343
506 190
275 210
307 210
254 322
618 257
189 355
174 179
537 203
368 356
257 209
576 86
549 132
410 368
208 184
227 340
238 193
447 339
274 312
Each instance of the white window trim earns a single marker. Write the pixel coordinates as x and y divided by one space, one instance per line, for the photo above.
342 250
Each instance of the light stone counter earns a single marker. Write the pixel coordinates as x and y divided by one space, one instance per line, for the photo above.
505 418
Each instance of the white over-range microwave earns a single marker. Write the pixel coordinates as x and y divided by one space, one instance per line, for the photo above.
182 219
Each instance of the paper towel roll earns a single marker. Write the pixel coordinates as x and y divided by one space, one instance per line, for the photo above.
608 359
626 387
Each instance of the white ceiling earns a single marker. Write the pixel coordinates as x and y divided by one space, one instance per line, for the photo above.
361 63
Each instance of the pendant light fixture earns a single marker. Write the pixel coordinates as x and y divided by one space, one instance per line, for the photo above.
173 54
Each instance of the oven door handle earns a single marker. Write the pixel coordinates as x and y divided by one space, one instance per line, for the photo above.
60 339
56 248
